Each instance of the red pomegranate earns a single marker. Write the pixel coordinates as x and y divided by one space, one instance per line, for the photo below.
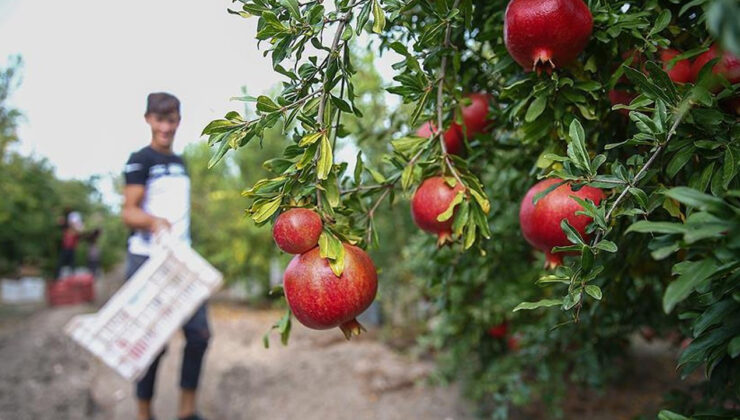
728 66
475 115
540 224
546 34
321 300
430 200
297 230
453 136
681 71
498 331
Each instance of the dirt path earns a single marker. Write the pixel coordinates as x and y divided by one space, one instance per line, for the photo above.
44 375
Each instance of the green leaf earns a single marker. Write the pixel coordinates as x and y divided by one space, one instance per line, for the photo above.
483 202
679 160
535 108
326 158
407 177
544 303
571 300
594 291
337 264
332 190
447 214
733 349
358 169
664 18
219 154
607 246
292 6
644 226
265 104
691 274
310 138
377 176
694 198
670 415
263 211
378 17
728 169
577 147
571 233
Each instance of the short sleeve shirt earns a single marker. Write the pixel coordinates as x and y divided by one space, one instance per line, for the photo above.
167 194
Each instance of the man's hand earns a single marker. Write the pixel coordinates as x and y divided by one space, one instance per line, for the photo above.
159 225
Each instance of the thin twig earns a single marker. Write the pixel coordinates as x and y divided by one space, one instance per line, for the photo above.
644 169
440 90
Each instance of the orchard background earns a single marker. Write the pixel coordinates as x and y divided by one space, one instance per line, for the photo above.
657 134
663 246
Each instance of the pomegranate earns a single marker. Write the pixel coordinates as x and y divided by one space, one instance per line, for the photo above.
297 230
475 116
546 34
453 136
540 223
681 71
728 66
498 331
430 200
321 300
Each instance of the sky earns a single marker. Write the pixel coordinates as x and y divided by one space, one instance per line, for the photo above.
89 65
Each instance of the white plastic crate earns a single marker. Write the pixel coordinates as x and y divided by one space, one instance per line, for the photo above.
131 329
25 290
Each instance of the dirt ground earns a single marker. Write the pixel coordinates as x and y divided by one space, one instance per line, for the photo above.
44 375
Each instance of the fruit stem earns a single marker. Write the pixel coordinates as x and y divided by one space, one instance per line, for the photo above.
351 328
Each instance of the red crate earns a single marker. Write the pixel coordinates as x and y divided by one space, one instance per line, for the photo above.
71 290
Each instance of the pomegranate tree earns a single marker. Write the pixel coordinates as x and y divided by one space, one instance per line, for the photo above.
297 230
546 34
540 223
320 299
430 200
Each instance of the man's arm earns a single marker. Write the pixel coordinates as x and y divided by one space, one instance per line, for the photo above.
134 216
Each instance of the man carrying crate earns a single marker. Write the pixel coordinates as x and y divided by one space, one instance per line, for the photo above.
156 199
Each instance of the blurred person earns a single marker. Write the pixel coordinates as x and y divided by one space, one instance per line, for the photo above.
157 199
93 251
71 225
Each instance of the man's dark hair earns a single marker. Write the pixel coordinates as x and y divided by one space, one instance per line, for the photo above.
162 103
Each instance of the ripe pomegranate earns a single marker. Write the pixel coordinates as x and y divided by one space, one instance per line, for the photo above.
681 71
430 200
453 136
728 66
546 34
321 300
498 331
621 97
540 224
297 230
475 116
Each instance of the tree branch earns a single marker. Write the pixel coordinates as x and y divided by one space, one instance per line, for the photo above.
440 91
